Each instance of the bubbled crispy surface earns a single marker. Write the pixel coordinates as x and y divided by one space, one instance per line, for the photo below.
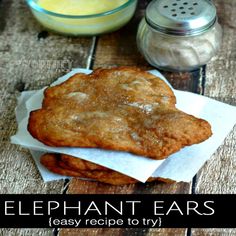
122 109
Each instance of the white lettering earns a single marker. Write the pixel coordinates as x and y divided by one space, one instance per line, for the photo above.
212 210
158 207
20 210
9 207
92 204
75 207
133 205
174 204
50 207
194 208
37 207
111 206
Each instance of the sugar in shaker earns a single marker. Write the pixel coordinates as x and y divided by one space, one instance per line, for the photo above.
179 35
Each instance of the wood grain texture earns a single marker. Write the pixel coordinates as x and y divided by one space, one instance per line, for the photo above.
221 85
30 58
26 232
77 186
219 174
122 232
186 81
119 48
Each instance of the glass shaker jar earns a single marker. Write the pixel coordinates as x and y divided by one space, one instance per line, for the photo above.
179 35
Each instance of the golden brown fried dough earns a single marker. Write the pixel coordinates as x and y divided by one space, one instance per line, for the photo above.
80 164
122 109
51 162
77 167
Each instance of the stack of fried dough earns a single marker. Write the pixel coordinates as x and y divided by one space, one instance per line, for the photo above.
122 109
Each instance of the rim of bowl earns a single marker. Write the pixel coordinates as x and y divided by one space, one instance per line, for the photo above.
35 6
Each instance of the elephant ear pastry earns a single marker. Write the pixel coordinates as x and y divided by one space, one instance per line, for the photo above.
76 167
122 109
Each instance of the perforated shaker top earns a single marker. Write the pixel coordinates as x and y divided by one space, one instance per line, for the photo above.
181 17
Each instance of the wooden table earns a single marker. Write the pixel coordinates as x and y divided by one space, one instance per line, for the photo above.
31 58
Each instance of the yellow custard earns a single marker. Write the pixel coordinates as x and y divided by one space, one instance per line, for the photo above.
80 7
79 17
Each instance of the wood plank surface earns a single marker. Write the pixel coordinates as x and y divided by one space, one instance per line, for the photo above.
119 48
30 58
121 232
219 174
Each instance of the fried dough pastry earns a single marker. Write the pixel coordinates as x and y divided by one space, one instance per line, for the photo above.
53 163
123 109
76 167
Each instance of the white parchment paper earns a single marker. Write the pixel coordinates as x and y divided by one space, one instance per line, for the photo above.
181 166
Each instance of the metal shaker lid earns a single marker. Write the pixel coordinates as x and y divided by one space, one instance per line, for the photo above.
181 17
